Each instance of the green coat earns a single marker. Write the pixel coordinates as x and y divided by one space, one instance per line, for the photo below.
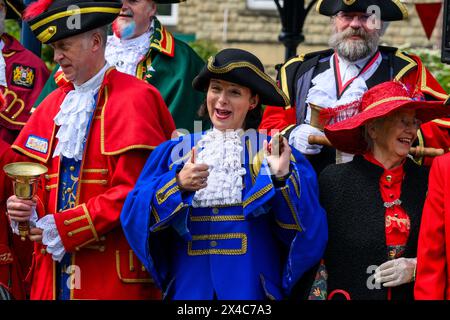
170 65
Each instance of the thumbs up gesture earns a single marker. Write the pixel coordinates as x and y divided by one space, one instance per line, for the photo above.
193 176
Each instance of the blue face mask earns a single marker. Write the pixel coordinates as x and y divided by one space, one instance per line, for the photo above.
128 31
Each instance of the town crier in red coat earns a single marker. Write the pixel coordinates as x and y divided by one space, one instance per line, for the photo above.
433 252
94 134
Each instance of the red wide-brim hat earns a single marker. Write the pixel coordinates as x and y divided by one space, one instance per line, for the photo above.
381 101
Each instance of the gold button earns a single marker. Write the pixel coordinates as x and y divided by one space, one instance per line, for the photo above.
47 188
77 248
43 251
70 234
72 168
215 210
101 248
213 243
47 177
51 30
66 222
388 178
69 190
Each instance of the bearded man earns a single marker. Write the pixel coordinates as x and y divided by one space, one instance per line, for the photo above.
341 75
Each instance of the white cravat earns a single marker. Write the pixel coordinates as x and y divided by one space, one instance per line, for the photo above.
221 151
349 69
125 54
74 115
2 66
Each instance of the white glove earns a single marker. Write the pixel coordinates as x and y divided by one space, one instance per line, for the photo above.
299 139
396 272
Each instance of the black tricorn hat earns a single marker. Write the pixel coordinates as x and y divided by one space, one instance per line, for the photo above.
389 10
54 20
241 67
14 9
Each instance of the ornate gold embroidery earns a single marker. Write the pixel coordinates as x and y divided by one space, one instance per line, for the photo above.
225 236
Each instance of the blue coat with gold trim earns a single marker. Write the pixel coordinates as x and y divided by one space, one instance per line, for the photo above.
255 250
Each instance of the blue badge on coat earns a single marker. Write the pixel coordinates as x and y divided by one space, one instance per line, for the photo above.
37 144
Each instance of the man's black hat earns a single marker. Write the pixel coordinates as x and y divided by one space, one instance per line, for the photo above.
389 10
14 9
54 20
243 68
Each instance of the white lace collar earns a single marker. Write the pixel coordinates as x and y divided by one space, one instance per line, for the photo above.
125 54
221 151
74 115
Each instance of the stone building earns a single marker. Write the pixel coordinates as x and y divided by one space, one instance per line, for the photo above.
255 25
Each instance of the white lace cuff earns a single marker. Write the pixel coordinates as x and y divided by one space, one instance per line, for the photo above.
33 219
51 238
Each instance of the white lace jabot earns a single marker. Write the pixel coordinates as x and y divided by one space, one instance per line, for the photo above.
74 115
221 151
125 54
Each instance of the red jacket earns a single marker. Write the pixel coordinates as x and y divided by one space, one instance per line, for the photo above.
433 252
131 119
26 75
15 255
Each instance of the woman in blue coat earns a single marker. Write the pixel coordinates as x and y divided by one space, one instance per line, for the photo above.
227 213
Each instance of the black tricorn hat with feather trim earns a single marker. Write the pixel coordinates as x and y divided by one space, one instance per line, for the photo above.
53 20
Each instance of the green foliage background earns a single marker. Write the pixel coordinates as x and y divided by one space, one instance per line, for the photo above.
432 60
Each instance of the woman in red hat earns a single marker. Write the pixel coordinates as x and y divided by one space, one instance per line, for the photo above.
374 203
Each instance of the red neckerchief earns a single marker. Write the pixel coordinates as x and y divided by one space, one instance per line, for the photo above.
340 88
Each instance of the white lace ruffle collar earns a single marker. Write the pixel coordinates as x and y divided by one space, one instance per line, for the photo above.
74 115
221 151
125 54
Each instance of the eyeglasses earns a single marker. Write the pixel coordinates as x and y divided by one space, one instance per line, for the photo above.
404 123
348 17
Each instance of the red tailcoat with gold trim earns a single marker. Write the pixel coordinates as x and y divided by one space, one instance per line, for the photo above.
26 75
433 251
130 119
